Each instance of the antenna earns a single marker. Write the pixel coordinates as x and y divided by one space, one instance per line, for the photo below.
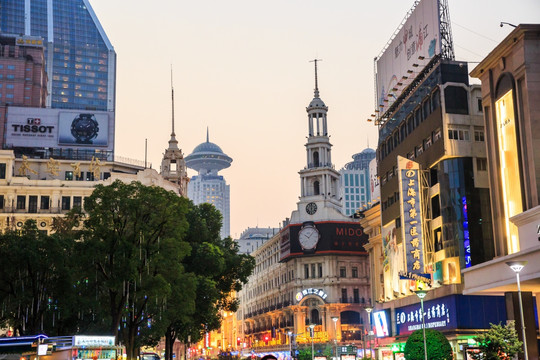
316 79
207 135
367 137
172 98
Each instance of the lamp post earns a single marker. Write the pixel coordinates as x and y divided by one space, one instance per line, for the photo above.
290 342
335 319
422 294
517 266
312 333
369 309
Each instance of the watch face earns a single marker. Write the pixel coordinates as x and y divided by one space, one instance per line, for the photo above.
308 237
311 208
84 128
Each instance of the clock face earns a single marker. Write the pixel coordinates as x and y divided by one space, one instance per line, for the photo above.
308 237
311 208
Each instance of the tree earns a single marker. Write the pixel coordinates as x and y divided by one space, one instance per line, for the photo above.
219 271
499 342
438 347
134 247
35 280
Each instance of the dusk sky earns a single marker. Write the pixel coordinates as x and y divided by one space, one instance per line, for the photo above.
241 68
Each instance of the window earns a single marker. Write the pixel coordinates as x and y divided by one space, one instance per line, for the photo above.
458 134
32 204
435 207
436 135
45 203
77 202
313 272
11 67
342 272
89 176
10 86
2 170
481 164
66 203
427 142
1 201
306 271
21 202
455 99
479 102
419 150
355 272
344 295
478 135
320 270
356 296
69 175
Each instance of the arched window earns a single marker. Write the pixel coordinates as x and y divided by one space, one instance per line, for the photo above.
316 188
315 316
316 158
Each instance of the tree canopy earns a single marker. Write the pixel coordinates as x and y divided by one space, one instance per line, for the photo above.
499 342
438 347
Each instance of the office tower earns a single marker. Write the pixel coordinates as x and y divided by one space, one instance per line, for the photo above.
355 184
80 60
207 159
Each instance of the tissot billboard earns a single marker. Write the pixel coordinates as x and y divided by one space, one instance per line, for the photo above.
56 128
321 238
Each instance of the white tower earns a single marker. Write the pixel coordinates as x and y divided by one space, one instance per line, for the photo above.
319 181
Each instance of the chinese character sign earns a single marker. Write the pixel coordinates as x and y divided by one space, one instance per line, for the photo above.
411 215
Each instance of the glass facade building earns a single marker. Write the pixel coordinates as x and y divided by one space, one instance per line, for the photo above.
80 60
355 183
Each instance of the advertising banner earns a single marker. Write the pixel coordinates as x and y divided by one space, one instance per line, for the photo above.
374 186
56 128
418 38
438 313
411 214
381 321
322 238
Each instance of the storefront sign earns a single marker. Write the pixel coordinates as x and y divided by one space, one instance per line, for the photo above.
311 291
438 313
93 340
381 321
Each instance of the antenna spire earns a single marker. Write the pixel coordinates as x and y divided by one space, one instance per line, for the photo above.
173 143
316 79
207 135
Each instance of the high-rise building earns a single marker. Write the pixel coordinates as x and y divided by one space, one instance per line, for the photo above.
208 186
80 60
252 238
355 184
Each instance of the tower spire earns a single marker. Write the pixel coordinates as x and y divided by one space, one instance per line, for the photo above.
316 79
173 143
207 135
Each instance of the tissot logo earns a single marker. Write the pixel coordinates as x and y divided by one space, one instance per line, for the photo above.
33 121
33 128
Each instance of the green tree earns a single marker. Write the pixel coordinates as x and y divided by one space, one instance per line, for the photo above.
219 271
499 342
35 280
134 247
438 347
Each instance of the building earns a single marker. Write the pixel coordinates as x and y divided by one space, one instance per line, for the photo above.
355 182
252 238
434 185
207 186
23 80
42 189
80 60
510 77
313 274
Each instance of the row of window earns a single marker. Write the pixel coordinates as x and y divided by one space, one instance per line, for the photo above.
30 202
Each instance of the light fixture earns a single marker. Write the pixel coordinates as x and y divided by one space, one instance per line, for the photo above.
517 266
335 319
311 326
415 65
421 57
422 294
506 23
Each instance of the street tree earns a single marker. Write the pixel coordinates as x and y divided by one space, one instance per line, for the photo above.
499 342
438 347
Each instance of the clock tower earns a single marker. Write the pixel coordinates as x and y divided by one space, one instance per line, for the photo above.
319 181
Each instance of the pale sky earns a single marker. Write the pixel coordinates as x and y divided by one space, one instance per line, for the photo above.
241 67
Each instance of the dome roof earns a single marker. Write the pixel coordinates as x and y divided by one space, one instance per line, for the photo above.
316 103
207 147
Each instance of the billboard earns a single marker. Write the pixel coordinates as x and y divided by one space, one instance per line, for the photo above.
56 128
381 322
418 38
411 214
374 186
321 238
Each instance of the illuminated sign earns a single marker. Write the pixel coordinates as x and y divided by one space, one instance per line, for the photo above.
311 291
380 318
439 313
29 41
411 214
399 63
466 239
93 340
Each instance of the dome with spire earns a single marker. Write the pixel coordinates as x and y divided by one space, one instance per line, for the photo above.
208 157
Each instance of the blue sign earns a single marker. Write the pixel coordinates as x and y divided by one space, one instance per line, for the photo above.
439 313
466 239
412 218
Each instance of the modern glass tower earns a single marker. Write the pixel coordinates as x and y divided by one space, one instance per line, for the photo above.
80 60
355 182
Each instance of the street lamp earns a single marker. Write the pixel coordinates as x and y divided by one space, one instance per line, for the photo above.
312 333
335 319
517 266
290 342
369 309
422 294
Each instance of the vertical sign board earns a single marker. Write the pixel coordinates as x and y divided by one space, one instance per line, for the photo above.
418 38
411 214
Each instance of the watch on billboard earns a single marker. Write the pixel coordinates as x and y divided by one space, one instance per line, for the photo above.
83 129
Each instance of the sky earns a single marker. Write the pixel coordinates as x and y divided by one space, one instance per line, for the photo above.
242 68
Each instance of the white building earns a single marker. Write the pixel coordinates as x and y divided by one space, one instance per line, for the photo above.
252 238
209 187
